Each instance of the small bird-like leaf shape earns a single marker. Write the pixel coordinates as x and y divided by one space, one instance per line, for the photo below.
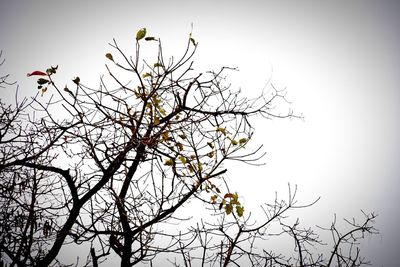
76 80
141 34
68 91
109 56
52 70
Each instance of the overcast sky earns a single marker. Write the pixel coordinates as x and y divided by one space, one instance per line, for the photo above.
339 61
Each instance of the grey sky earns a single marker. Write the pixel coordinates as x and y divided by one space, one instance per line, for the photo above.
339 60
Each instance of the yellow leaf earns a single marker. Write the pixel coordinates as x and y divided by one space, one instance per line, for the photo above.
222 130
235 197
146 75
162 111
239 210
234 142
156 100
44 90
165 136
141 34
182 159
169 162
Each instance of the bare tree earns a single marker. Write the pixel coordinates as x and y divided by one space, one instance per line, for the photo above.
114 167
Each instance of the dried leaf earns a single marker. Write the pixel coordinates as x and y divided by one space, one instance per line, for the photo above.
109 56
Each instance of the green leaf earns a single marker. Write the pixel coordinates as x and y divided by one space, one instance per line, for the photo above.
182 159
141 34
243 141
157 65
193 41
147 74
236 197
239 210
234 142
162 111
109 56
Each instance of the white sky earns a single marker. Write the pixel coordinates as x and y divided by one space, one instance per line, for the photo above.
339 60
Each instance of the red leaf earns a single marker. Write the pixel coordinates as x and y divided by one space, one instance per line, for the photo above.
37 72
